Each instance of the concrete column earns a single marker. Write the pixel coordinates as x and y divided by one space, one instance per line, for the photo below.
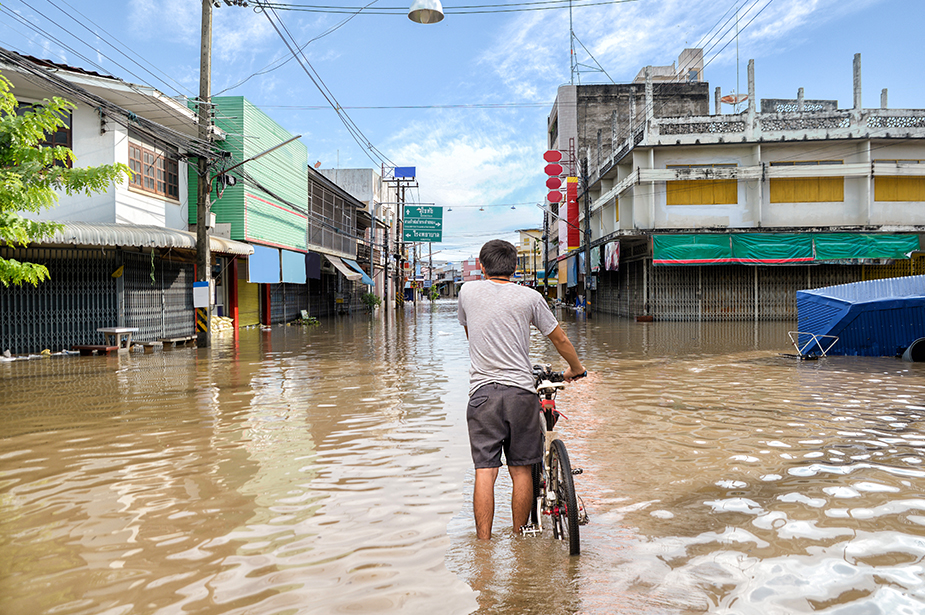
632 118
718 98
857 82
883 104
800 100
752 123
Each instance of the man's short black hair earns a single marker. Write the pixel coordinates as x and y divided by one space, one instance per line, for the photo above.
499 258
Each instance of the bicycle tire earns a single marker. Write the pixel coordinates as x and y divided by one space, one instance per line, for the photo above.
564 522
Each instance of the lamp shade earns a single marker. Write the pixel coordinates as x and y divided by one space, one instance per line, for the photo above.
426 11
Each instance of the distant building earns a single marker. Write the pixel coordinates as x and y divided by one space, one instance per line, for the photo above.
530 256
379 205
723 217
471 270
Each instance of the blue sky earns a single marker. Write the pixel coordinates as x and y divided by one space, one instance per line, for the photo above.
466 100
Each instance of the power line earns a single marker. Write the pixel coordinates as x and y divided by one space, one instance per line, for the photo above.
368 148
282 62
51 38
164 77
392 107
122 116
545 5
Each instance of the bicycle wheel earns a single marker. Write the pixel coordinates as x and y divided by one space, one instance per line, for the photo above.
565 511
537 471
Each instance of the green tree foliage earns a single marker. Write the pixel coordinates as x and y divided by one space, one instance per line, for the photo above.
30 177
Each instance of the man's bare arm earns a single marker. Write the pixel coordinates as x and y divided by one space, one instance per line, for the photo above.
565 348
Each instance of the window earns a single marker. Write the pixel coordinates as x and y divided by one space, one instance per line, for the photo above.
807 189
702 191
899 188
153 171
63 136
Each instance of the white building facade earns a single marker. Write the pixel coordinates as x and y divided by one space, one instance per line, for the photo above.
726 216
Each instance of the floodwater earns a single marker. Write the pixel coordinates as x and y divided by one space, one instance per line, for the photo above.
326 470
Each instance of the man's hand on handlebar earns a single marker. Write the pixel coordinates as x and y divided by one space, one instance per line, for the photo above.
571 374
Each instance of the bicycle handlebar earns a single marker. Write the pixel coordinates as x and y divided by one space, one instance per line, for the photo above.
544 372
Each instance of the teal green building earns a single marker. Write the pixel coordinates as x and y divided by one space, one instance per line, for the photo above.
268 204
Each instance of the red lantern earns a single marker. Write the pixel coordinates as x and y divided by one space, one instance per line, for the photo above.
552 156
554 197
553 183
553 169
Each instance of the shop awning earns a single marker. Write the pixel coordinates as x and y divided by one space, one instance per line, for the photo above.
263 266
293 267
366 279
313 266
349 273
138 236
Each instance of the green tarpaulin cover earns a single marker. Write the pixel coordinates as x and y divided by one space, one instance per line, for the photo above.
692 249
779 248
772 248
838 246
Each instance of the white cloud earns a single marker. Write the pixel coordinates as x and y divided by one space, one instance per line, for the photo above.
241 34
531 55
466 160
175 21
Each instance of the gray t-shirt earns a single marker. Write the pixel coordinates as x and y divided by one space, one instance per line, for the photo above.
498 317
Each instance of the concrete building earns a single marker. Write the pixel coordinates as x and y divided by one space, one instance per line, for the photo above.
283 237
302 226
530 257
124 257
723 217
375 220
471 270
590 122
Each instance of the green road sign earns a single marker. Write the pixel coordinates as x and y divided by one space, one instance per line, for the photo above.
428 212
423 223
422 236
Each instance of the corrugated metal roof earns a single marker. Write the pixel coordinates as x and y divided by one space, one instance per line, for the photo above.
140 236
907 286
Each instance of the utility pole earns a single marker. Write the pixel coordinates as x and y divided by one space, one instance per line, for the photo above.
586 178
203 252
546 222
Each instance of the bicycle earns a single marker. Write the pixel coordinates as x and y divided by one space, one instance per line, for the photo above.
553 486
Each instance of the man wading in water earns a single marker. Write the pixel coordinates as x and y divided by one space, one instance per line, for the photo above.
504 411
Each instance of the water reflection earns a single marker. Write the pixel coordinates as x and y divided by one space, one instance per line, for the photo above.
326 470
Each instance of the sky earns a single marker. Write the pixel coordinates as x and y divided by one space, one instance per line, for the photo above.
466 100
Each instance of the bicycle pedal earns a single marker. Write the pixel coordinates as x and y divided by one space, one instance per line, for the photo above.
530 530
577 471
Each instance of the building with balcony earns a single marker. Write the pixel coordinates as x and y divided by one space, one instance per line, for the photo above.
302 226
530 257
723 217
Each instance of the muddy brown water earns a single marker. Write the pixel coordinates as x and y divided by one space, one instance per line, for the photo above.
326 470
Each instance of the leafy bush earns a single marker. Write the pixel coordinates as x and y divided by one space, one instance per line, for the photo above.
371 300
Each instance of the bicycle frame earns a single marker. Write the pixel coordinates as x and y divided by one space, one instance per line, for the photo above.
553 486
547 500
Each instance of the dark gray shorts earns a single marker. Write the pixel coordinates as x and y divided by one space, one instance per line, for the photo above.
504 418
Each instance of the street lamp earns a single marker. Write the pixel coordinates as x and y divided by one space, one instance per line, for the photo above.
426 11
